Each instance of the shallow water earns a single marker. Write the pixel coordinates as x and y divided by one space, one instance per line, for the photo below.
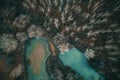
73 58
37 53
78 62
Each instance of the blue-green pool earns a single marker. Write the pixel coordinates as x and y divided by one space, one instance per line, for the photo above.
78 62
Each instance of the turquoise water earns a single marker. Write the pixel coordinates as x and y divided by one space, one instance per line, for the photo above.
43 74
78 62
73 58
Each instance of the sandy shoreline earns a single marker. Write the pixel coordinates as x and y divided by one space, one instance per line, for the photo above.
53 49
37 56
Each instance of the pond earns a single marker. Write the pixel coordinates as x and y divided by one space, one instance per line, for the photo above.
78 62
37 53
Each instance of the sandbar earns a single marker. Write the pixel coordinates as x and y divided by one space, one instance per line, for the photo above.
37 56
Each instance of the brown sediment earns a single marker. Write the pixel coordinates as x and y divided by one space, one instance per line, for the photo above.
4 67
53 49
2 64
37 56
